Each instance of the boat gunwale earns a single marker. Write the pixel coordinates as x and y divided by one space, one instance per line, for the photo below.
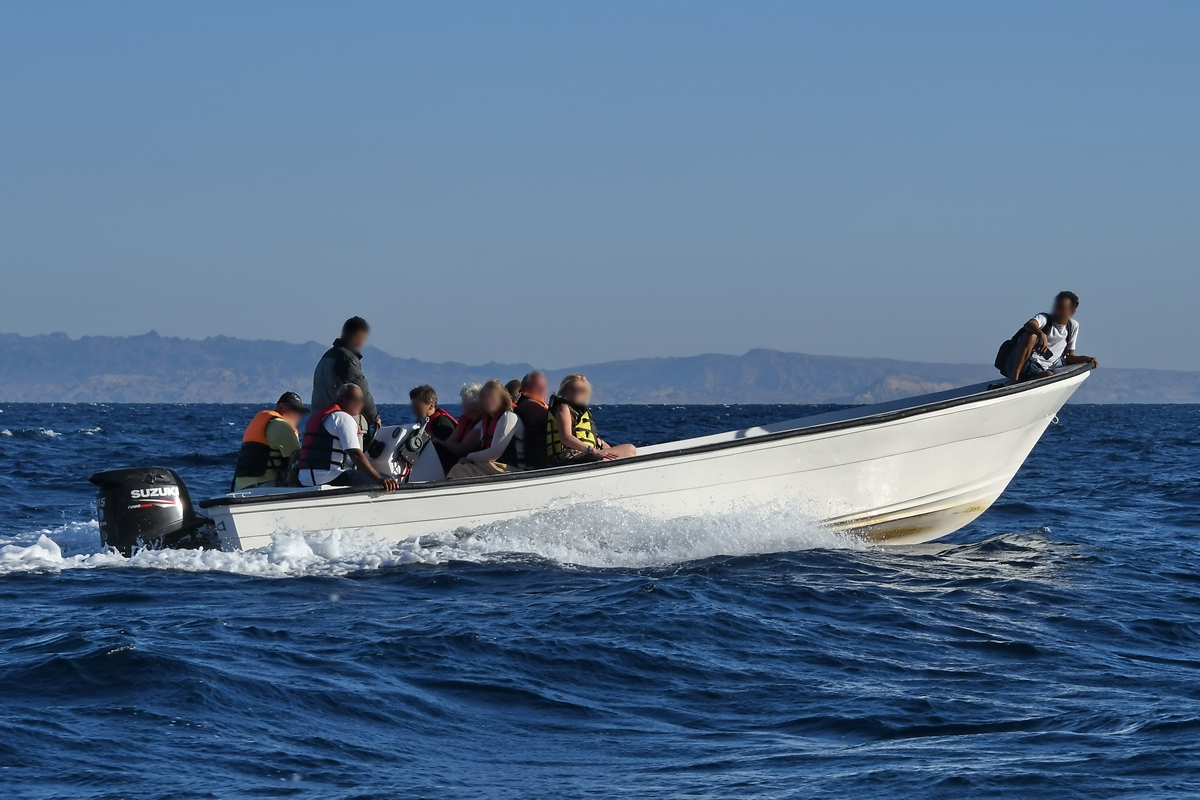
573 469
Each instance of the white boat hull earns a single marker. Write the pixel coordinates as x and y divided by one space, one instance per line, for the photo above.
898 473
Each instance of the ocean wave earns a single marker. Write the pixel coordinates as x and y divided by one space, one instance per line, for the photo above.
31 432
591 535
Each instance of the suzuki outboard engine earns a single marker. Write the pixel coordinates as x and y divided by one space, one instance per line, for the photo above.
146 507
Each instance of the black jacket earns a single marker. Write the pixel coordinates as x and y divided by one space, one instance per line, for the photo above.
341 365
533 414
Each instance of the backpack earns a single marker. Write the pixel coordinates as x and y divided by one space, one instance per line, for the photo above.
1006 348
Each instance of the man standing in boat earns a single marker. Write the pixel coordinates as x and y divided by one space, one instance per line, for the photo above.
1047 342
342 364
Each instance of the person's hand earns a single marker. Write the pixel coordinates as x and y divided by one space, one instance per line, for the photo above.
608 455
1043 342
1095 363
378 422
390 484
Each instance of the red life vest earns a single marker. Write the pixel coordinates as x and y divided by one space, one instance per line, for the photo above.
487 431
465 424
320 449
438 414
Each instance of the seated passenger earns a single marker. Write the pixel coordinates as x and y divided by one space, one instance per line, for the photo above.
501 437
331 452
513 388
1047 342
441 424
268 444
533 409
571 436
465 438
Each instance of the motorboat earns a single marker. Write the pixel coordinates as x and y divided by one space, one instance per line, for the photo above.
902 472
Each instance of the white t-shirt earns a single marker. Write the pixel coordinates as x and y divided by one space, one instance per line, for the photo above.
345 431
1059 338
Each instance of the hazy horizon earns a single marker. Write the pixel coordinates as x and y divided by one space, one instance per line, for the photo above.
547 367
574 184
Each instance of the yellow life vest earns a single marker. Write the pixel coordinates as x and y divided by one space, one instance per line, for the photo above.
581 425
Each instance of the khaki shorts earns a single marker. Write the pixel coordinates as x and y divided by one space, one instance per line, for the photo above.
473 469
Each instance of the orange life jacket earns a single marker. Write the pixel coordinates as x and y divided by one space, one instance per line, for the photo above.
256 431
257 456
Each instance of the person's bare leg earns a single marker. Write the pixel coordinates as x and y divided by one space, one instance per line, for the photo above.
1024 349
622 450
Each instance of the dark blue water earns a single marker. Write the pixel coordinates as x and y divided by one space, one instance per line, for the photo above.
1053 650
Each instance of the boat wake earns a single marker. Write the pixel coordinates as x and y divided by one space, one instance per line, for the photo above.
590 535
600 535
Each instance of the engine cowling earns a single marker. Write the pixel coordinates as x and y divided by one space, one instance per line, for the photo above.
146 507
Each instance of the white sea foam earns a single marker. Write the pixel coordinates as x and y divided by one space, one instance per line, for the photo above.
333 553
601 535
45 554
595 535
5 432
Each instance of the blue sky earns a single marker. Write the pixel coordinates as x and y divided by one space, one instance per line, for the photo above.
568 183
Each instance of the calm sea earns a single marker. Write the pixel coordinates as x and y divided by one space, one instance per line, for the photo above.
1051 650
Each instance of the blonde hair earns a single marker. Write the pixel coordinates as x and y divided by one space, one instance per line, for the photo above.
506 403
574 377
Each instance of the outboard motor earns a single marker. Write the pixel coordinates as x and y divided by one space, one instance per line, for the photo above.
146 507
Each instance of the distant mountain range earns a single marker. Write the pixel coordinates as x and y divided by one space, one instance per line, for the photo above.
153 368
